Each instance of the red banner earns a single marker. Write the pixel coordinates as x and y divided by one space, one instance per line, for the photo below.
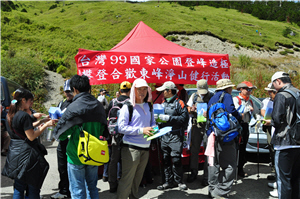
105 67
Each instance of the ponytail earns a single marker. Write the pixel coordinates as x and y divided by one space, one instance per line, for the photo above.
16 103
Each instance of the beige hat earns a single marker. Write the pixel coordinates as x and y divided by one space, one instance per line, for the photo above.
202 87
140 83
223 84
278 75
270 87
167 85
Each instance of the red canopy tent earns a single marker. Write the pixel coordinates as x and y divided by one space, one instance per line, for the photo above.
144 53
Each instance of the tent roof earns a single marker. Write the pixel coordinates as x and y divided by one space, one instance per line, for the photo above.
144 39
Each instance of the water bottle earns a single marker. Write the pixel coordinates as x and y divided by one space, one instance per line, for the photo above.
49 133
233 119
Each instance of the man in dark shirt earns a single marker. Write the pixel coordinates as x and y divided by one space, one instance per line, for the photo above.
63 184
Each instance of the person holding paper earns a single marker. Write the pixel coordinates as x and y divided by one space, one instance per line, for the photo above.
243 99
135 148
176 115
287 152
201 97
266 110
62 163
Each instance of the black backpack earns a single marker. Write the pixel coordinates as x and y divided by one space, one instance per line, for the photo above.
225 126
114 113
294 130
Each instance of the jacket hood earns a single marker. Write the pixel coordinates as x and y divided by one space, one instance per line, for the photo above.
84 108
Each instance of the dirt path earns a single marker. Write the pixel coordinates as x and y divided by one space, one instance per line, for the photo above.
53 83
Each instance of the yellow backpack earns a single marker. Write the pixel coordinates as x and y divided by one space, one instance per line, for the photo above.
91 150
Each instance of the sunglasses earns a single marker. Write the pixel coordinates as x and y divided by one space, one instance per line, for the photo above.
248 89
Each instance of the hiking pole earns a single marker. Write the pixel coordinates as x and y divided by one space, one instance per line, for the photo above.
237 158
257 135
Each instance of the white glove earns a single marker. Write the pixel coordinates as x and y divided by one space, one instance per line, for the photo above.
155 116
164 117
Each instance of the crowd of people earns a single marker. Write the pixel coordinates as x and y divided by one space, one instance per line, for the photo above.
128 119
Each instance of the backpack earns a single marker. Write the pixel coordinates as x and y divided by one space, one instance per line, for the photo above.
114 113
294 130
225 126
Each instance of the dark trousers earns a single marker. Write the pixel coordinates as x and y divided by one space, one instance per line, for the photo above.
242 148
63 184
287 164
172 154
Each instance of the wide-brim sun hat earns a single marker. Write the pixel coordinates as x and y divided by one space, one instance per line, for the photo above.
245 84
223 84
202 87
270 87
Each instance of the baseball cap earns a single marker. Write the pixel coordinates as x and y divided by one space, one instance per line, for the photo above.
278 75
270 87
202 87
167 85
67 85
125 85
102 89
140 83
245 84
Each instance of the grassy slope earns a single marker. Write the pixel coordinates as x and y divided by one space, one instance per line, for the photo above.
95 26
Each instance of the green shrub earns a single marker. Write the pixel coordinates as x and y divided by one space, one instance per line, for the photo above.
61 69
204 18
53 64
237 46
6 20
183 44
283 52
186 38
244 61
289 51
53 7
62 10
296 49
4 47
286 31
26 71
23 10
197 41
172 38
192 8
11 52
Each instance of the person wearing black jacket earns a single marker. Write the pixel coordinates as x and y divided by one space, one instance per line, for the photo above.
25 161
287 153
62 163
177 116
115 158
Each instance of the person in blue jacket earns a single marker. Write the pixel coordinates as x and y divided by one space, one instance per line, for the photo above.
222 172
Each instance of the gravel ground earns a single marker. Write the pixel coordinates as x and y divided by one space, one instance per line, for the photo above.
211 44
